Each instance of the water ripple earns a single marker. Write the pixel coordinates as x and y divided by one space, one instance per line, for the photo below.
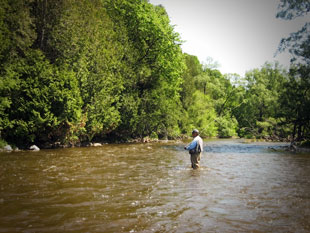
241 187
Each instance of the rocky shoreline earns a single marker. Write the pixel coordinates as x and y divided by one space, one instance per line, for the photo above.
293 147
9 148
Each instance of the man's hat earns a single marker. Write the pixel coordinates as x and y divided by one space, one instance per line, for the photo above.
195 131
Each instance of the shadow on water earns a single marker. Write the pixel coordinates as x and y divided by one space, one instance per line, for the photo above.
240 187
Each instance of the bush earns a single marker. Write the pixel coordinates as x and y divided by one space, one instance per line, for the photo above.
305 144
227 126
44 101
2 143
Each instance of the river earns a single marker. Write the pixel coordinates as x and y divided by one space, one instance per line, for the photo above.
241 187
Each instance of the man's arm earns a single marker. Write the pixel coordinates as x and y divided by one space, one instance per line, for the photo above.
191 146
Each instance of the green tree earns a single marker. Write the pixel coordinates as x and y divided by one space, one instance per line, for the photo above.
227 126
17 29
298 43
260 103
295 98
295 102
154 66
193 69
44 101
16 35
202 115
224 97
85 40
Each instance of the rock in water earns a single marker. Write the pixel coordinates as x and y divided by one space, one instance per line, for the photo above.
34 148
97 144
8 148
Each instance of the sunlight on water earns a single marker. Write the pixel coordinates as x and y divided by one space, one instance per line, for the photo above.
241 187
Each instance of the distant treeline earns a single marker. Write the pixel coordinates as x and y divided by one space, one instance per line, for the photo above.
78 71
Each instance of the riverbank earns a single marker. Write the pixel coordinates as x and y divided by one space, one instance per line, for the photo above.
5 147
303 146
297 147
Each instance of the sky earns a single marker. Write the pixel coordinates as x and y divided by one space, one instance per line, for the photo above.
240 35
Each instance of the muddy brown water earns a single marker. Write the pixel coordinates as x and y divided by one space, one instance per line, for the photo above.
241 187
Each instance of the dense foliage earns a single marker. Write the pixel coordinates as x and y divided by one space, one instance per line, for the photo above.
296 97
77 71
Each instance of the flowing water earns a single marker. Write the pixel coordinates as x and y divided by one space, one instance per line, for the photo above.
241 187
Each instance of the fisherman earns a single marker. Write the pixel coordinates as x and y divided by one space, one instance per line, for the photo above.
195 149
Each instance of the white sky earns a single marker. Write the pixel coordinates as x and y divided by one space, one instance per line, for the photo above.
239 34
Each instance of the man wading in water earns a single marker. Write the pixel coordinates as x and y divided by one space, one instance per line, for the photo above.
195 149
